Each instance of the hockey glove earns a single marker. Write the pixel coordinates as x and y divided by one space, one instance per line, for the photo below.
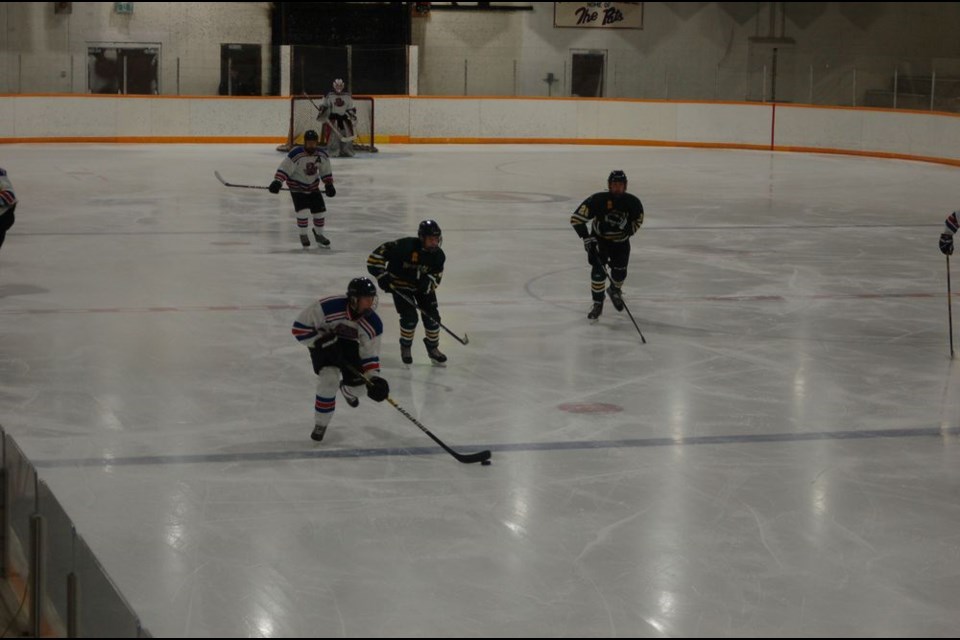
329 348
275 186
329 189
325 352
946 244
385 280
378 390
426 285
590 245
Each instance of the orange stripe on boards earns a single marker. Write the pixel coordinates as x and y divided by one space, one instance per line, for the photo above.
577 99
592 141
871 154
922 112
154 139
101 96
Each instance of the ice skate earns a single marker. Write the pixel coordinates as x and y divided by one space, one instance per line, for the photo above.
436 356
595 311
616 297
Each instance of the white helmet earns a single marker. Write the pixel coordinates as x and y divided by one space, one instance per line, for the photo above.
338 85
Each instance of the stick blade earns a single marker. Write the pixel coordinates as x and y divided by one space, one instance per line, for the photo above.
479 456
219 177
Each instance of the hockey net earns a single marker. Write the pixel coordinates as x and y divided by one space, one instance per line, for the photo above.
303 117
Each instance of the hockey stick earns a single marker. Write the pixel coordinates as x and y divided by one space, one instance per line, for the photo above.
626 308
479 456
315 105
242 186
464 340
950 307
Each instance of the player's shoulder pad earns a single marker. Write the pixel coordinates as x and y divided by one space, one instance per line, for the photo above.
383 246
333 304
600 196
295 152
374 322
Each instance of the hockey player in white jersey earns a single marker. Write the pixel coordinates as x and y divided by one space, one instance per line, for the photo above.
303 169
339 115
8 203
343 335
949 230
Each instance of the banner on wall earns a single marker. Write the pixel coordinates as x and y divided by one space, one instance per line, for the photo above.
598 15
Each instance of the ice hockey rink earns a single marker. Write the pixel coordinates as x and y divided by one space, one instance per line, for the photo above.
781 458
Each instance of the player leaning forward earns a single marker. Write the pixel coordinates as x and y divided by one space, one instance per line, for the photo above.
8 204
343 335
949 230
303 169
411 269
614 216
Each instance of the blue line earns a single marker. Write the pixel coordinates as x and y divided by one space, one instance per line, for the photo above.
922 432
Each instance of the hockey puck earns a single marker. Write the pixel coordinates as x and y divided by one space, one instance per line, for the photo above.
485 463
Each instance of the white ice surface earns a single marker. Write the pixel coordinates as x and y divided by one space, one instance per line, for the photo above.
785 461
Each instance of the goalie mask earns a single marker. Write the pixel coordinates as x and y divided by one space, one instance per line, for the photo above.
429 229
358 290
338 85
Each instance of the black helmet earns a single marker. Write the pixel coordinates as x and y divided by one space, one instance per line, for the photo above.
361 288
617 176
311 135
429 228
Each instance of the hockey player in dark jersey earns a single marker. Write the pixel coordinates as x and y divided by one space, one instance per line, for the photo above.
412 268
343 335
303 169
605 222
